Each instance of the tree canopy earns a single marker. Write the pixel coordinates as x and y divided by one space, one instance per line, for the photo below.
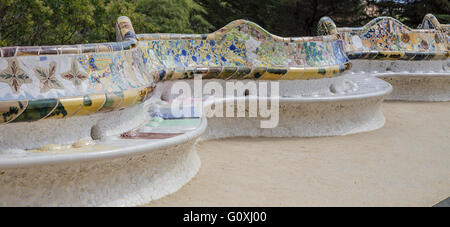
50 22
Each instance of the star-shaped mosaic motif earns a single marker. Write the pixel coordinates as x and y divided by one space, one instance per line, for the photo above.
14 76
48 78
75 75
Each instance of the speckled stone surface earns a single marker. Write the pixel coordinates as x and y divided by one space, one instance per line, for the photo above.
354 106
32 135
412 80
125 181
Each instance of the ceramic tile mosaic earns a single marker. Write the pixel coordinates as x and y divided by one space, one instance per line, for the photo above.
49 82
243 50
387 38
431 22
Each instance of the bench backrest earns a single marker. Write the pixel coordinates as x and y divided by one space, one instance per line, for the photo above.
431 22
387 38
241 50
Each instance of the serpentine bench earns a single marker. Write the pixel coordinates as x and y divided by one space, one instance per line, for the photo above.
414 61
309 70
91 125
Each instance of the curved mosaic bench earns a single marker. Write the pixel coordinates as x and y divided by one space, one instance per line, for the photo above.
414 61
243 50
309 71
68 107
111 153
69 92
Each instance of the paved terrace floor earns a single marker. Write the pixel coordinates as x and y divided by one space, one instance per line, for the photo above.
406 163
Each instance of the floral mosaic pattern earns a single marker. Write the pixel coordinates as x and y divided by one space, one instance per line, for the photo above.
65 81
75 75
387 38
48 78
14 76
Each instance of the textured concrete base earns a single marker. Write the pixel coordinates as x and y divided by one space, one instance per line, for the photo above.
418 87
345 105
287 88
400 66
305 119
412 80
125 181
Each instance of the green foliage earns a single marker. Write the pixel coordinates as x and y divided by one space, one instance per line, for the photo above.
113 10
299 17
50 22
284 17
23 21
46 22
411 12
174 16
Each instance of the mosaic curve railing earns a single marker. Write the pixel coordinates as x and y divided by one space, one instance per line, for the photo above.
54 82
241 50
387 38
431 22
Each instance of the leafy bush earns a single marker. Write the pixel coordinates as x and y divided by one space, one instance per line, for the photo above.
50 22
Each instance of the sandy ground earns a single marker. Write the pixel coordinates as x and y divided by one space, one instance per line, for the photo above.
406 163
